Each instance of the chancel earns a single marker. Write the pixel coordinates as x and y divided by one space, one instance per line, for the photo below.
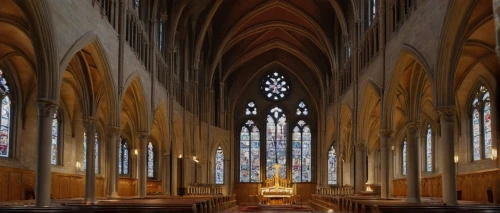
249 105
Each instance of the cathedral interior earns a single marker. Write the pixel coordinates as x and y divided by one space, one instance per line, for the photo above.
249 105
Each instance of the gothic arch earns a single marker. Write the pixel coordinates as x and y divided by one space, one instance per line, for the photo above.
134 103
411 76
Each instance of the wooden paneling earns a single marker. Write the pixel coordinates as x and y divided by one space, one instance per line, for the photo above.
153 186
472 185
243 191
127 186
15 183
305 190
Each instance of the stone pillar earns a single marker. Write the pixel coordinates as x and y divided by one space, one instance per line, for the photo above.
114 144
385 136
359 177
46 110
346 173
412 164
90 128
227 176
371 167
174 186
142 161
447 155
165 178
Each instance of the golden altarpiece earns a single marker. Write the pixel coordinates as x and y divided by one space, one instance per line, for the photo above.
277 190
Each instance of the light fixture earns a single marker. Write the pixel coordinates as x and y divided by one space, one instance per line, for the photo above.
136 152
494 153
78 166
456 158
180 156
392 148
195 159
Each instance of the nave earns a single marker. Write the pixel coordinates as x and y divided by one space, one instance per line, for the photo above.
249 105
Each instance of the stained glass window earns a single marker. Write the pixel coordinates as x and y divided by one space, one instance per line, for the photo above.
5 118
4 128
428 149
276 142
137 3
301 153
332 166
55 135
251 109
123 157
249 153
302 109
274 86
219 166
481 125
151 160
96 156
404 156
487 126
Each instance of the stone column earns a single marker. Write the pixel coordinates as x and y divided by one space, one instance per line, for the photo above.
385 136
447 154
90 127
174 186
114 144
165 179
142 161
359 177
227 175
371 168
412 164
46 110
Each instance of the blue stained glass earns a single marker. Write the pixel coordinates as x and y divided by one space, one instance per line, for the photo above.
249 153
404 156
219 166
84 151
487 130
151 160
55 131
125 159
476 145
5 126
276 142
301 153
96 154
332 166
428 155
120 158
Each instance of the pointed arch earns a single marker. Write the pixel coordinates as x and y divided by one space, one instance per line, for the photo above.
135 102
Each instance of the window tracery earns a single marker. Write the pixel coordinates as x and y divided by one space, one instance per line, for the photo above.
275 87
219 166
481 125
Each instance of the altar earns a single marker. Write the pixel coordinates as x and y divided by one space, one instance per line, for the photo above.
276 190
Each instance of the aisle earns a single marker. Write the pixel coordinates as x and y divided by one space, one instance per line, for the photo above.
276 208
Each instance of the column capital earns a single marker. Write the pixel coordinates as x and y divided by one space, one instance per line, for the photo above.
385 133
360 146
143 135
89 122
46 107
446 114
113 130
412 126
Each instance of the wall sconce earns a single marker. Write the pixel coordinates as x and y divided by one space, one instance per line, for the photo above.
78 166
392 148
195 159
456 158
180 156
494 153
136 152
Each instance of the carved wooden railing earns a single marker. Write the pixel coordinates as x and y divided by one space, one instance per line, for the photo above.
203 189
335 191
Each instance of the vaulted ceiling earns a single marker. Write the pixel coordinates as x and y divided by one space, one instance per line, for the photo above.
234 36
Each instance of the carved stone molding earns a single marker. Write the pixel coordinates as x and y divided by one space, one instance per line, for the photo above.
114 130
446 114
385 133
412 127
46 107
143 136
360 146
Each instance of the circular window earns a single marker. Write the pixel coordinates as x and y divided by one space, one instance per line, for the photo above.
274 86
